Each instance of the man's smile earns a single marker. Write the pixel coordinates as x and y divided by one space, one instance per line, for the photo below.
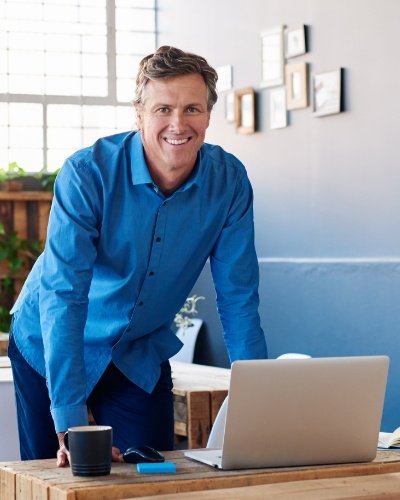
177 142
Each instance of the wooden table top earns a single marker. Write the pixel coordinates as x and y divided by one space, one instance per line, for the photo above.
41 479
376 487
193 377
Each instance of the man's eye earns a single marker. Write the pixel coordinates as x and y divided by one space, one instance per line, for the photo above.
192 110
163 110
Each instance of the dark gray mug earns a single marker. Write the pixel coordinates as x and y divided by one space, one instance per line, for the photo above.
90 449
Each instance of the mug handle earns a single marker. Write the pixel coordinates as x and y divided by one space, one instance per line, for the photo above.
66 440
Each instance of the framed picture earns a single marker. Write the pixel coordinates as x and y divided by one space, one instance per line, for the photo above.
230 104
278 118
327 92
295 41
245 111
224 81
272 62
296 85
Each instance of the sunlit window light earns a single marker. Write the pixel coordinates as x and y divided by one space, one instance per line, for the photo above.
65 79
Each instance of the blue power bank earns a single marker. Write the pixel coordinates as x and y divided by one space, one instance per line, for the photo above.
156 468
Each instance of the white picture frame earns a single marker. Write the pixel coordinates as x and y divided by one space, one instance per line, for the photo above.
278 111
225 77
272 60
327 92
295 41
296 85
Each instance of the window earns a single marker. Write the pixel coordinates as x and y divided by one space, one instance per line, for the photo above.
67 70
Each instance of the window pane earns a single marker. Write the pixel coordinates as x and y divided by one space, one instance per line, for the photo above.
125 90
3 116
26 84
57 157
29 159
135 20
24 62
94 65
57 138
26 137
63 43
55 53
135 3
63 85
99 116
135 43
95 87
125 118
25 114
127 66
64 115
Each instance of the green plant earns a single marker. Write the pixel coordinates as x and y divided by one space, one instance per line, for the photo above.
14 171
16 253
11 172
47 178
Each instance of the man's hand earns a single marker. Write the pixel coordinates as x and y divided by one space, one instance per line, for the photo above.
63 453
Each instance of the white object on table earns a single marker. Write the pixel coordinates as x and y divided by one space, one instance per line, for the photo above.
9 441
188 336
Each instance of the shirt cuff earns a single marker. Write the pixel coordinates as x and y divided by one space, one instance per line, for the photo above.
69 416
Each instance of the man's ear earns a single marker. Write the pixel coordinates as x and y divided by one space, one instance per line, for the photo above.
139 117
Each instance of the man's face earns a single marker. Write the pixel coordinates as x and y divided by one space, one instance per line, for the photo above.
173 121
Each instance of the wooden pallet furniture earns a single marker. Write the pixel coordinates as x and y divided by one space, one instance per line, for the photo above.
43 480
199 392
26 213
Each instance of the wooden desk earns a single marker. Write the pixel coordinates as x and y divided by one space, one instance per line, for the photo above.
42 480
377 487
199 392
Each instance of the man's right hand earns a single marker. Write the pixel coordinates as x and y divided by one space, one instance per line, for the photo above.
62 453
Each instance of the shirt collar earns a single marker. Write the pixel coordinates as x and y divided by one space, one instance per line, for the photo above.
140 172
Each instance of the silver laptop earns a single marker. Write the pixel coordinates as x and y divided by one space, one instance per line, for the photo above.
294 412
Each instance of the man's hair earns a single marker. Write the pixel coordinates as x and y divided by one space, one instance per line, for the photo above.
169 62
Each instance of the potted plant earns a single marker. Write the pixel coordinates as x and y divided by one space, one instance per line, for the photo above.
16 178
182 318
188 329
10 177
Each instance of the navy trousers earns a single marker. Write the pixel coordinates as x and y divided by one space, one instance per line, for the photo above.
135 416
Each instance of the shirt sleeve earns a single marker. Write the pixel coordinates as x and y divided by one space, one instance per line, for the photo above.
64 286
235 272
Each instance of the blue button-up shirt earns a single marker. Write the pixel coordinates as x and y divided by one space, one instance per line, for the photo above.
120 260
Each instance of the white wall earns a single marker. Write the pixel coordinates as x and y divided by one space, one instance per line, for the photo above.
327 204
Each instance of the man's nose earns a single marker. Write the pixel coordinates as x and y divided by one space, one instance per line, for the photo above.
178 122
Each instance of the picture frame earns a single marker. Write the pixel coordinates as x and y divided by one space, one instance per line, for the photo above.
295 41
225 77
296 85
327 92
278 112
230 107
272 60
245 111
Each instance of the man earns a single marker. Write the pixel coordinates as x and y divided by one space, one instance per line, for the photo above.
133 221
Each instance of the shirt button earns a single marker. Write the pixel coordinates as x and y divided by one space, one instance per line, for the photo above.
140 303
151 273
158 239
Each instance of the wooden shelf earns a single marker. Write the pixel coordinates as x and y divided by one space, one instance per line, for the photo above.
26 196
